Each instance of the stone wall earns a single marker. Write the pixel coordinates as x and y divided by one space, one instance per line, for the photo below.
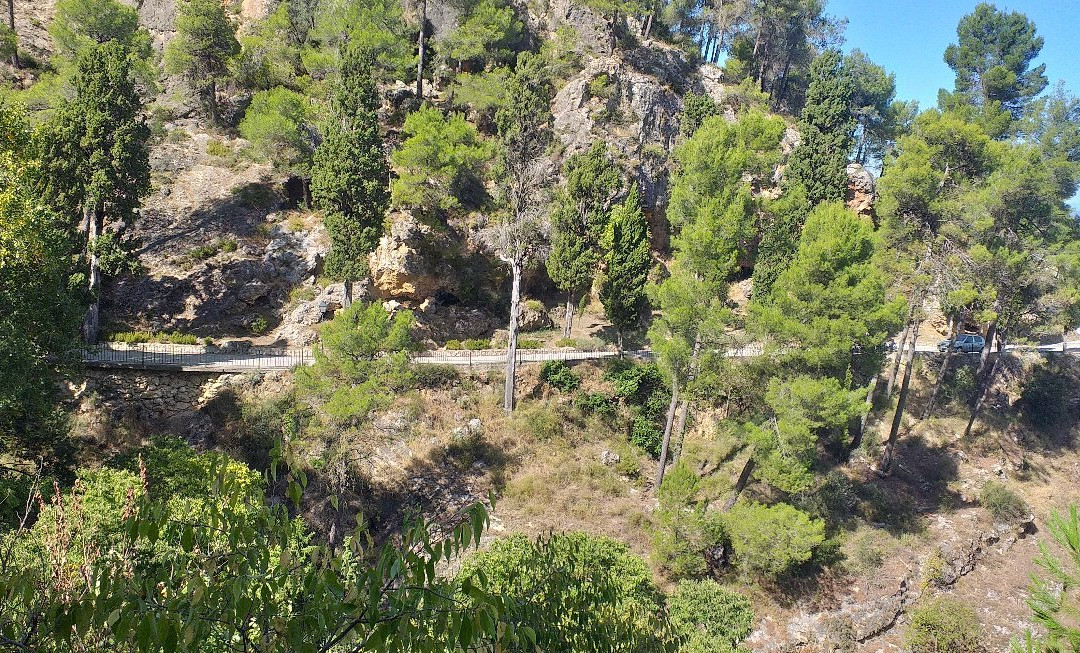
177 403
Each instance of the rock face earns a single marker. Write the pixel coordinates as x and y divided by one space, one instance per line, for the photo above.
406 265
628 102
298 326
533 317
216 250
861 190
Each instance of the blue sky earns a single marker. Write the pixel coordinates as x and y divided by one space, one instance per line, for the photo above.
909 37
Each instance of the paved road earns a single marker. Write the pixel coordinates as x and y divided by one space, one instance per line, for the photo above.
192 358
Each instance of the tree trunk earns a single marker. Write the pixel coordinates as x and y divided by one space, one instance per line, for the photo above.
511 346
991 333
984 391
898 416
662 465
92 321
347 301
647 27
11 23
856 439
941 372
684 409
900 352
213 103
420 43
568 318
740 485
618 339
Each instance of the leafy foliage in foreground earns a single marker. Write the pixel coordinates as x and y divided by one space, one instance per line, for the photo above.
186 556
581 592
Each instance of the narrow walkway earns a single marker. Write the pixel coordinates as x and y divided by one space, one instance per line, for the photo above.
195 358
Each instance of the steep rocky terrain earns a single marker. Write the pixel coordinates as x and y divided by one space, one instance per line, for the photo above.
228 253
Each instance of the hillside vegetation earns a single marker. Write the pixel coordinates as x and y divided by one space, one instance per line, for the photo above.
770 460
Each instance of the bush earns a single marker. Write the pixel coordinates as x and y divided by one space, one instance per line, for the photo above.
596 403
477 344
453 345
1003 503
140 337
635 383
686 531
259 325
530 343
435 376
559 376
647 435
579 587
600 87
709 618
944 625
542 423
1046 396
770 541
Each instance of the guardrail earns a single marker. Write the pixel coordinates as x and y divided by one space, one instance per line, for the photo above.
184 357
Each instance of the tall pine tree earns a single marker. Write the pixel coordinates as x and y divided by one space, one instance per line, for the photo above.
350 173
205 42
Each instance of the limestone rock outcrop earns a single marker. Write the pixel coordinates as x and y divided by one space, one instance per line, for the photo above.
407 264
626 102
861 190
532 316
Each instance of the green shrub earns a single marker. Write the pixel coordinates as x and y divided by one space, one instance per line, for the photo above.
577 587
709 618
647 435
203 252
600 87
436 376
770 541
219 149
229 245
530 343
633 382
259 325
944 625
596 403
141 337
477 344
559 376
453 345
1003 503
302 294
543 423
1045 399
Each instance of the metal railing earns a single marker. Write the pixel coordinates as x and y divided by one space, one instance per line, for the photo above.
194 356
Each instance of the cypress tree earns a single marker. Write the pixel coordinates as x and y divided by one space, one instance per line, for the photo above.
350 174
627 258
95 161
827 129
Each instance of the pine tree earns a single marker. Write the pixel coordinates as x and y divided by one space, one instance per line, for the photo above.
96 163
519 236
205 41
627 262
350 175
992 60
